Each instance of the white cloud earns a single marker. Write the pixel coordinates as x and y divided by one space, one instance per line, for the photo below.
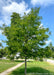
42 2
13 7
1 31
0 41
41 26
4 19
47 42
4 3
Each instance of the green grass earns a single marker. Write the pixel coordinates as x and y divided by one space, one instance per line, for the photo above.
5 64
34 67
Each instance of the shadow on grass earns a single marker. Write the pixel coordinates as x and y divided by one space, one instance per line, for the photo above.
19 60
32 71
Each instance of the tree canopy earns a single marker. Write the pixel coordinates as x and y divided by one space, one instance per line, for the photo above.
25 33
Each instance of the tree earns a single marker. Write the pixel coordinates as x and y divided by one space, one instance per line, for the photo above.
26 35
0 44
52 49
48 52
3 52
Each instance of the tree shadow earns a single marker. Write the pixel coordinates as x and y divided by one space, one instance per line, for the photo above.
32 71
22 61
19 60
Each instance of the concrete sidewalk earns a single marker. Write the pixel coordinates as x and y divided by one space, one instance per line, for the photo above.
11 69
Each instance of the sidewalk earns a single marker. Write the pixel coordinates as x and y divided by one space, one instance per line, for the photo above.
11 69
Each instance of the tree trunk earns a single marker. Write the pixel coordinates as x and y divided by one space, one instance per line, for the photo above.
25 66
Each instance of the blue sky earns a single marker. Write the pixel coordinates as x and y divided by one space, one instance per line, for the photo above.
21 6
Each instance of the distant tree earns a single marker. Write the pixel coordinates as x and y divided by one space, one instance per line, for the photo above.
3 52
48 52
0 44
52 49
26 35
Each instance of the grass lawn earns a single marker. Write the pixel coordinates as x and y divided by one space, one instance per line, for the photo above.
5 64
35 67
